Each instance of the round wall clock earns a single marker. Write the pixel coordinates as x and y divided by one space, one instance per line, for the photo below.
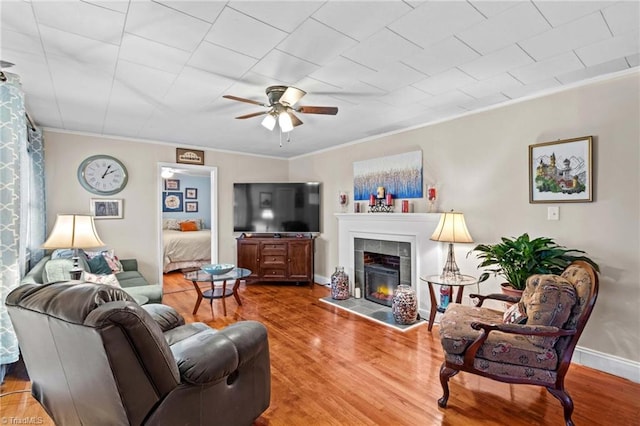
102 175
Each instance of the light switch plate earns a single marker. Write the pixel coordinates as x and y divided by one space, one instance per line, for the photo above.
553 213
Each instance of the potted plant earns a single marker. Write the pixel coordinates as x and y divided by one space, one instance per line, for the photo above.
516 259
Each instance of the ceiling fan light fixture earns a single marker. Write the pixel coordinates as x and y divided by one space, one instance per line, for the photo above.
269 122
166 173
284 120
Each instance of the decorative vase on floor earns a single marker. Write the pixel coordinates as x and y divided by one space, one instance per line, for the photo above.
404 305
339 284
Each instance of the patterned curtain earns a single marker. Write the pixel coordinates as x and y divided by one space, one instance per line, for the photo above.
22 208
34 203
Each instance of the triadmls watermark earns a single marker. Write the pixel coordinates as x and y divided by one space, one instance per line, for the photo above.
32 420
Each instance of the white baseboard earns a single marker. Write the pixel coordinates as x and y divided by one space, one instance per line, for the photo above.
607 363
321 280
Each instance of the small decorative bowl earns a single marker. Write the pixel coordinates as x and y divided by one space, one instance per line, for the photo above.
218 269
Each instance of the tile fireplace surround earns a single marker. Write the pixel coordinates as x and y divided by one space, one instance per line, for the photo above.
427 257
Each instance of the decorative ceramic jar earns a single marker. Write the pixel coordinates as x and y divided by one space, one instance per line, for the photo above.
339 284
404 305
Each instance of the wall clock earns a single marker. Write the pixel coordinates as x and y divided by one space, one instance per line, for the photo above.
102 175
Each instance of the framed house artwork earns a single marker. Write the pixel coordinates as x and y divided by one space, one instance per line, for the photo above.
172 202
561 171
172 184
191 193
107 208
191 206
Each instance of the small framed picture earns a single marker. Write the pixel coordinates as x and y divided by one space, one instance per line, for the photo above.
265 200
107 208
191 193
172 202
561 171
172 184
191 206
189 156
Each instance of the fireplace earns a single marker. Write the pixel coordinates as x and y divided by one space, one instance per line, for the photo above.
380 281
403 234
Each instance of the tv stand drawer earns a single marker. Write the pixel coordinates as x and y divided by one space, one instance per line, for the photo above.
273 259
274 272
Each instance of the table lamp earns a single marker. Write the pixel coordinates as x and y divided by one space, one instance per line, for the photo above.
451 229
73 231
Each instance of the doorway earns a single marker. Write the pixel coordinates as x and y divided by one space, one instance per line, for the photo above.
196 189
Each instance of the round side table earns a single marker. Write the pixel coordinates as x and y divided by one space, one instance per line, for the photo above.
461 282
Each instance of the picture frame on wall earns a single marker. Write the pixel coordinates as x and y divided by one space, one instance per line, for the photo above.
189 156
172 202
191 193
561 171
191 206
265 200
107 208
172 184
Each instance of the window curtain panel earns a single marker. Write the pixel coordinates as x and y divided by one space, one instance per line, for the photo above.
34 203
22 205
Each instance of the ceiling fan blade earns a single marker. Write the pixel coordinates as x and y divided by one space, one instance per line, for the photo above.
295 120
254 114
249 101
317 110
291 96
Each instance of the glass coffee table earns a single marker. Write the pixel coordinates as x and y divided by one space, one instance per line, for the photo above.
219 289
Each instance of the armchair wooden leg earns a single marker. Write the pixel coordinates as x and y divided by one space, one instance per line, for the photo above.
445 374
566 401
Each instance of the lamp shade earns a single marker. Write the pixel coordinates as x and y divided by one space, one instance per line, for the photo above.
73 231
452 229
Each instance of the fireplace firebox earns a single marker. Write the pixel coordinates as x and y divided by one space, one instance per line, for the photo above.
380 282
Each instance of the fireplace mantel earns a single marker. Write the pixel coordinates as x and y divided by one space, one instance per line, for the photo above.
427 257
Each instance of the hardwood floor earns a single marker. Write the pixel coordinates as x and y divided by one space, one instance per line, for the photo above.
330 367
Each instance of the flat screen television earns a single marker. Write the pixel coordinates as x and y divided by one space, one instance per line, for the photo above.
276 207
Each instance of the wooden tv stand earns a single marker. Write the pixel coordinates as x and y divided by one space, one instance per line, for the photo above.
280 259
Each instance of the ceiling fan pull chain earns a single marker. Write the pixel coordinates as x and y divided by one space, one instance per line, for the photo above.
280 136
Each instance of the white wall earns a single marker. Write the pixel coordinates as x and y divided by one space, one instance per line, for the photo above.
480 163
136 234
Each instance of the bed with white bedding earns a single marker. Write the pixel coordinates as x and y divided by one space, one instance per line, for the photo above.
185 249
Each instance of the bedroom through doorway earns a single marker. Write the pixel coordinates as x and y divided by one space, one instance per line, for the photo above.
187 217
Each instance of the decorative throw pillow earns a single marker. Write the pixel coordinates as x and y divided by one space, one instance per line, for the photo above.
62 254
99 265
516 314
550 302
109 279
171 224
57 270
188 226
109 256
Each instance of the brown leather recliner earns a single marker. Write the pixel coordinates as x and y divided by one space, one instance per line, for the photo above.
97 358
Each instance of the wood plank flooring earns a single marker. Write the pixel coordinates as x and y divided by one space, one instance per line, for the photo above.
330 367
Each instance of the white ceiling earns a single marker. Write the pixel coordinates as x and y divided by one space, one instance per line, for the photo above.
157 70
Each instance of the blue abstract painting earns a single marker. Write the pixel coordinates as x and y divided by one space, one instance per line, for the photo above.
400 175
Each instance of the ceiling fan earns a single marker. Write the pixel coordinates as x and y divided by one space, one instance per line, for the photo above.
281 107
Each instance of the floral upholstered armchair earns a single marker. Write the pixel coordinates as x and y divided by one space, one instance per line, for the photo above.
531 343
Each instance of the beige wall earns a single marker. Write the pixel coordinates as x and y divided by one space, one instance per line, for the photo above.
480 163
137 234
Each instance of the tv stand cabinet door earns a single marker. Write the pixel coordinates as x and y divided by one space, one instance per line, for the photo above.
249 257
301 260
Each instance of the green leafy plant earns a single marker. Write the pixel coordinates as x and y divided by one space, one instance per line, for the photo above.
516 259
